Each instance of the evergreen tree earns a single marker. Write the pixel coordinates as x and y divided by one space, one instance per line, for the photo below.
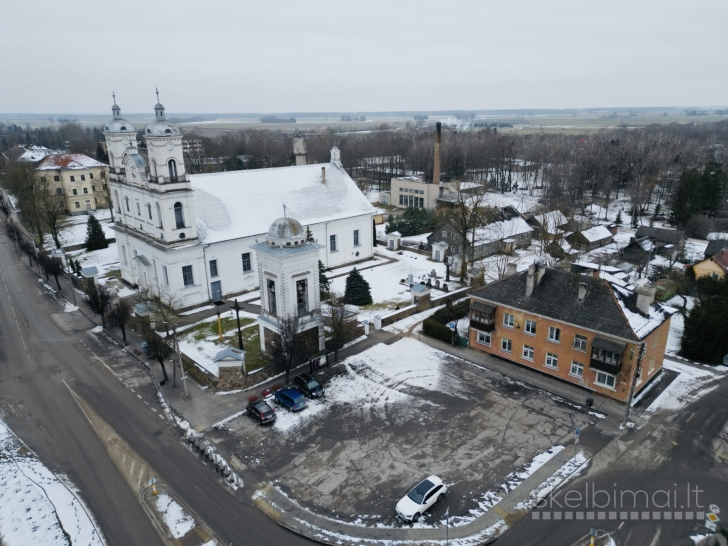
95 238
357 289
324 282
705 337
309 239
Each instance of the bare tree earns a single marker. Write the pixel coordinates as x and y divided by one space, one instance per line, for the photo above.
120 315
158 349
98 300
164 306
337 317
288 348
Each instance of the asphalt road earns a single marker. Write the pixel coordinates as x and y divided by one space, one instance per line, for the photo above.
683 456
38 364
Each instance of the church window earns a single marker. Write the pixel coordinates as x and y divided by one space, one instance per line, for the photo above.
356 237
271 297
118 203
164 274
332 243
139 210
178 216
187 275
154 168
213 268
246 262
159 216
127 204
149 210
302 297
173 170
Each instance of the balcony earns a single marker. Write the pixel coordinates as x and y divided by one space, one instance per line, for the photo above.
607 355
482 316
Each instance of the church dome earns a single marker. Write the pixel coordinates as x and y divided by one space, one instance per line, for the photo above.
160 127
117 123
286 232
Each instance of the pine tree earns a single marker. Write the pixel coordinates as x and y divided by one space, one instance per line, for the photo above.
95 238
324 282
618 219
309 237
357 289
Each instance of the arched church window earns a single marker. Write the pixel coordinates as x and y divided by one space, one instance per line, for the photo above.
178 215
159 216
154 168
127 204
173 170
149 211
116 199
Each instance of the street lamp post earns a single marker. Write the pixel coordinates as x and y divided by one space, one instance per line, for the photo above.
179 359
240 335
219 323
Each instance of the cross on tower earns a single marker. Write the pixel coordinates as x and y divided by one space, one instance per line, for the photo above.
113 94
284 210
157 90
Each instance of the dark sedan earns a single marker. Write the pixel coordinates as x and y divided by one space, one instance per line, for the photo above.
261 412
308 386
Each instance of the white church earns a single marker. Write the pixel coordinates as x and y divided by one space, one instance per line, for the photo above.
193 235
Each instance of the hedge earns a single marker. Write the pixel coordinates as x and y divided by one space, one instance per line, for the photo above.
452 313
434 329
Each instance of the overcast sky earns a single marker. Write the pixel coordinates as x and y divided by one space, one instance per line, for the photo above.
310 55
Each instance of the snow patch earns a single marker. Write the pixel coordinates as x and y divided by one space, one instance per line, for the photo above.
175 517
691 383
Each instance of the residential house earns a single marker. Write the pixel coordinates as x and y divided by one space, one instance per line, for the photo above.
81 180
24 154
716 265
639 251
549 225
717 242
583 329
505 233
666 241
192 235
590 239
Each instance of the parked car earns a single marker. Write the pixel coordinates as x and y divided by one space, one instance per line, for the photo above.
291 398
420 499
308 386
261 411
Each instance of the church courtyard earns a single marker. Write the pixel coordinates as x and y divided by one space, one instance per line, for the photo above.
395 414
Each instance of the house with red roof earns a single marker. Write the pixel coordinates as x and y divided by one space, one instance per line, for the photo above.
81 180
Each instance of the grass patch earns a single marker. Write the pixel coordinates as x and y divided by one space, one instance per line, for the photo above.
388 305
204 330
112 273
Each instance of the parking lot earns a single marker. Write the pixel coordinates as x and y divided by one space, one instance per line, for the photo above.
395 414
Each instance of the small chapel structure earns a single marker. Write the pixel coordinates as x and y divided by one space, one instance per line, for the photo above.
288 277
193 235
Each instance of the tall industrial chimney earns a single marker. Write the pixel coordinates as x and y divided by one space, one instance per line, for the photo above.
436 170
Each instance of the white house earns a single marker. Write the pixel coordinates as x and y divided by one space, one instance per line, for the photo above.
191 236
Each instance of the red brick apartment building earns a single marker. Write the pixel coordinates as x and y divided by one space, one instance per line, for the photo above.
585 329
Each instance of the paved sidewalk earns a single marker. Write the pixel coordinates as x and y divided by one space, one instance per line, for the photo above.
517 504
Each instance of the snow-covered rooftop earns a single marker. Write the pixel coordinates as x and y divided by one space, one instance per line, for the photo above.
641 325
551 220
236 204
34 153
597 233
68 161
501 230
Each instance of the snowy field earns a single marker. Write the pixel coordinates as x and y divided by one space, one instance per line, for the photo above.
36 507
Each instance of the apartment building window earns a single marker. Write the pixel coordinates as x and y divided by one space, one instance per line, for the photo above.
554 334
59 191
103 186
93 188
605 380
83 178
246 262
91 176
213 268
401 199
531 327
508 320
56 178
506 345
332 243
43 179
484 338
528 352
580 343
552 361
75 191
356 237
73 179
85 190
577 369
187 275
78 205
656 340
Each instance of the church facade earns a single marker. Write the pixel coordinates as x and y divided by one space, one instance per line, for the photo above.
192 236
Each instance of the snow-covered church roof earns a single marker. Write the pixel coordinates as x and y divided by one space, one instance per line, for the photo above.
236 204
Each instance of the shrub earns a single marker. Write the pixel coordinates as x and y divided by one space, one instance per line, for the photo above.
434 329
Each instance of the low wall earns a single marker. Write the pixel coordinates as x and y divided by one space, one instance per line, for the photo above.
399 315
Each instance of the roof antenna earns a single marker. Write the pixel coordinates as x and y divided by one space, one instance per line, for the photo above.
284 210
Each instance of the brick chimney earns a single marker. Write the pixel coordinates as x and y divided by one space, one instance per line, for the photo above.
582 291
645 297
436 169
534 276
511 268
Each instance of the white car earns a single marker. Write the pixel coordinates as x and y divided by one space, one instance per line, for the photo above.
424 495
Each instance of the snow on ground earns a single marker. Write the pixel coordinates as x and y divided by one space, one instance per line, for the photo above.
421 238
74 230
345 269
197 310
377 377
35 505
691 383
677 323
175 517
520 200
571 466
69 308
104 259
695 250
406 324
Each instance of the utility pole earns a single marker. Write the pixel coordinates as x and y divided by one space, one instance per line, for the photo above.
638 369
219 323
179 359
